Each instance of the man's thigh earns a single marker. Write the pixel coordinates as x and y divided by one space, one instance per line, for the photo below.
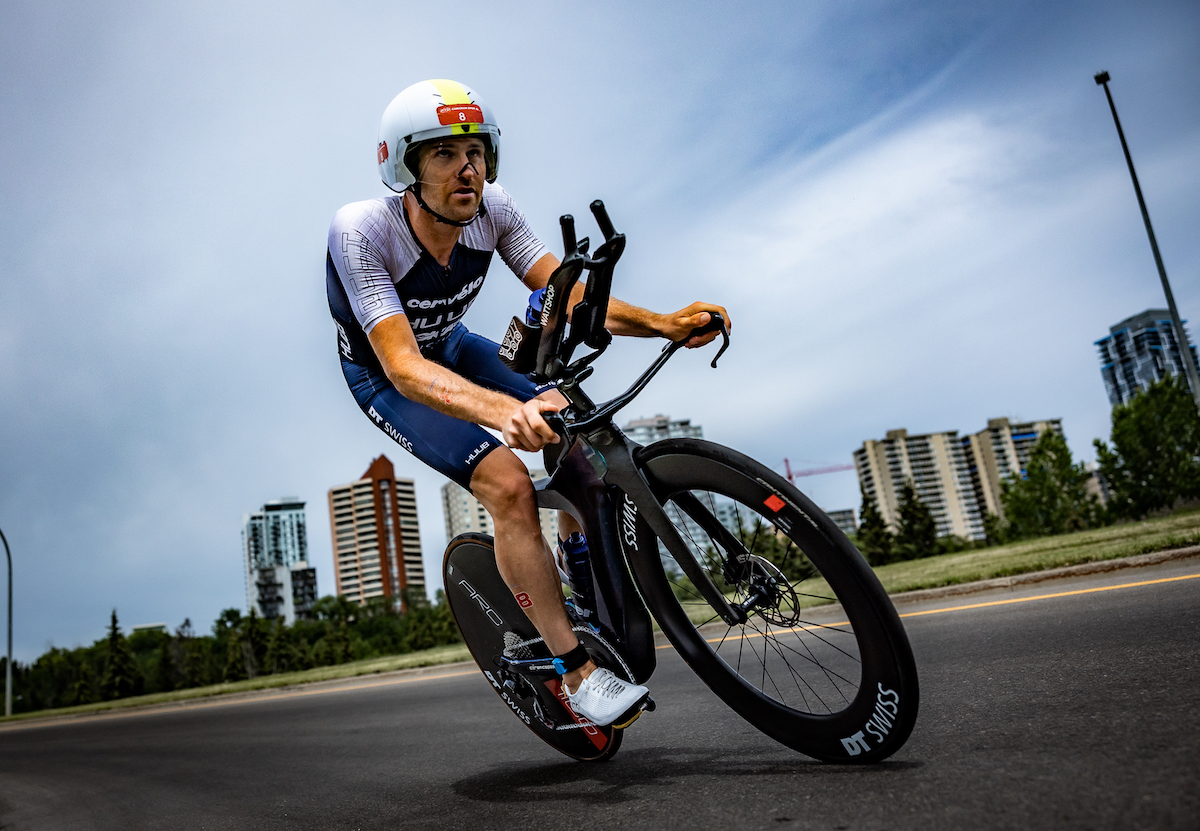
449 445
478 360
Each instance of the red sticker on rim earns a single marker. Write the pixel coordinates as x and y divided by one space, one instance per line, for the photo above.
459 114
381 154
774 503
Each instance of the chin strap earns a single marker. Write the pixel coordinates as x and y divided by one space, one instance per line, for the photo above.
416 189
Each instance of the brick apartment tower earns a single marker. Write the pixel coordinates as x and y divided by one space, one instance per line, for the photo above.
376 538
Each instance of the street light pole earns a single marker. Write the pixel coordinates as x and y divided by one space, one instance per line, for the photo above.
1189 365
8 663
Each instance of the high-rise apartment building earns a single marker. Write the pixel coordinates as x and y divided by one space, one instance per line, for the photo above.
999 452
376 537
845 520
937 467
464 513
656 428
1139 351
279 582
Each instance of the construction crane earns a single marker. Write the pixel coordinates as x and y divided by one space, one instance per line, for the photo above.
815 471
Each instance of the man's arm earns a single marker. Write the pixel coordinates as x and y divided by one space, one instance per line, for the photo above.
429 383
633 321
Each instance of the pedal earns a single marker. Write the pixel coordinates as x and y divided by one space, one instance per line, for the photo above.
625 724
647 706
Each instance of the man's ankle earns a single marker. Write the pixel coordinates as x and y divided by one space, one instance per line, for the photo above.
575 677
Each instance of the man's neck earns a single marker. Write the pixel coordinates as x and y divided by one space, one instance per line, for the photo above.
438 238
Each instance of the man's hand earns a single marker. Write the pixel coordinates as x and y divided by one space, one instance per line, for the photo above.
525 428
678 325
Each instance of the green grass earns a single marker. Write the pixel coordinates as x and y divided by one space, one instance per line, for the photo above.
424 658
1176 531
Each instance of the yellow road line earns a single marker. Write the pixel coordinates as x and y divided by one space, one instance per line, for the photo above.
1050 596
223 701
967 606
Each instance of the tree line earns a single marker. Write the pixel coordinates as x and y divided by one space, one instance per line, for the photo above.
1152 466
152 660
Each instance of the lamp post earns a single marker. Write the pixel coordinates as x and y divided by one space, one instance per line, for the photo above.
1189 365
8 663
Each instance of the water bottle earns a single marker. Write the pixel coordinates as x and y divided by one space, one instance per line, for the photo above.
579 569
533 314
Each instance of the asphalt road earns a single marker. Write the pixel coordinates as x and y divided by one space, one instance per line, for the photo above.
1076 711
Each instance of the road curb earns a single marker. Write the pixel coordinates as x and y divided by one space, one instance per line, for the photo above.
179 704
1098 567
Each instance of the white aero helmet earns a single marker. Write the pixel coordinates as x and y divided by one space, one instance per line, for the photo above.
430 110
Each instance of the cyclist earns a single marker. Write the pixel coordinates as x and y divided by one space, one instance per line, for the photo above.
401 272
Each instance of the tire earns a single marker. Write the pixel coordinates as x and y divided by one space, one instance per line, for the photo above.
822 663
490 619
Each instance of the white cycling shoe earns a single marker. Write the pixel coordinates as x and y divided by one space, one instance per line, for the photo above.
605 699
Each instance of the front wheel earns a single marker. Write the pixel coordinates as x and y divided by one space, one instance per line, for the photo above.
821 662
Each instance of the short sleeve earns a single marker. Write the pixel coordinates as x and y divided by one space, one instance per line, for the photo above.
356 242
518 246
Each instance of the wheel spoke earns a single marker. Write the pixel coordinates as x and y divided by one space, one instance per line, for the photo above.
815 661
819 670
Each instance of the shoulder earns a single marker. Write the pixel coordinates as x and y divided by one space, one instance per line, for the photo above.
502 211
497 199
364 214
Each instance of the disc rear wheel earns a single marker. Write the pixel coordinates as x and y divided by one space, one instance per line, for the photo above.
494 626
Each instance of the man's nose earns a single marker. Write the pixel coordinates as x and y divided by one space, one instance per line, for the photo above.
462 172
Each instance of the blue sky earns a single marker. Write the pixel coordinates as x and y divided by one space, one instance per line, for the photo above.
918 216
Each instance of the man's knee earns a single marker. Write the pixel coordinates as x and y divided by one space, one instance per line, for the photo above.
501 482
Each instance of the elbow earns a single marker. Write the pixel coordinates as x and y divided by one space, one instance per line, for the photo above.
404 373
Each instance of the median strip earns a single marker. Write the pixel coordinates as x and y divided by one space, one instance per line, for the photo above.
224 701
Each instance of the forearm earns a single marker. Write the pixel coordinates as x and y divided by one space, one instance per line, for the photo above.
429 383
625 318
632 321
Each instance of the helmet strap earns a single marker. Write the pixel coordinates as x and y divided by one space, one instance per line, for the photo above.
415 187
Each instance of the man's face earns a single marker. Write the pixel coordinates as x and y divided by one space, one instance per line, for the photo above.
452 175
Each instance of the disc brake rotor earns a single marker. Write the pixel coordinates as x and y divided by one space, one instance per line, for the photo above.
778 603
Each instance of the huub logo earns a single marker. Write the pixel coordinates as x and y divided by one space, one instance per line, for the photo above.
344 342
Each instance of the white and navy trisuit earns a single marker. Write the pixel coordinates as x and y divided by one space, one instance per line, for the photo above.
377 268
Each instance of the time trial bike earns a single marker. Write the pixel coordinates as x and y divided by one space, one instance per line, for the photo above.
756 588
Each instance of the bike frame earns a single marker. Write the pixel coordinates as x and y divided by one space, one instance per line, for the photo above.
595 466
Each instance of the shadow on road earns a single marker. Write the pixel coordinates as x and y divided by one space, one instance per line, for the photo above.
608 783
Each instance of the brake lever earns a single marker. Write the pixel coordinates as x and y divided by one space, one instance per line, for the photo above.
558 424
715 324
